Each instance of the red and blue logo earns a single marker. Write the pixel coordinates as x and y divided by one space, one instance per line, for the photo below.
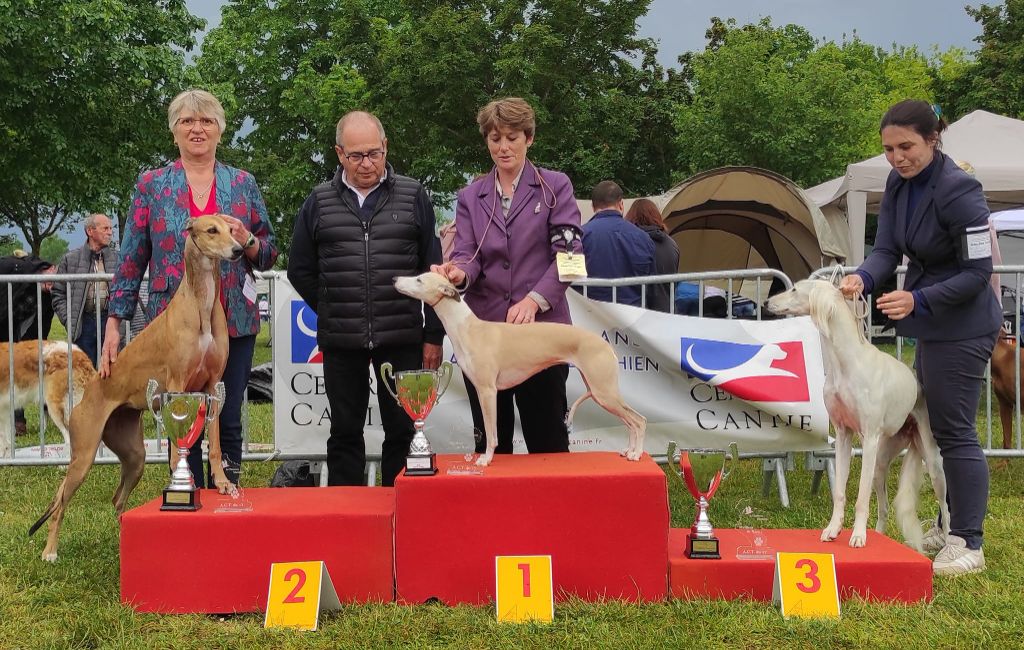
304 347
756 372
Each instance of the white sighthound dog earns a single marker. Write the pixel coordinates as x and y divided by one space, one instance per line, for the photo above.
185 348
874 394
496 356
55 383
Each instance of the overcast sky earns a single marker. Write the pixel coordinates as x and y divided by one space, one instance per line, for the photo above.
679 25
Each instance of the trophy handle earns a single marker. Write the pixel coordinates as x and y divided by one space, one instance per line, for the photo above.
731 459
445 373
151 388
385 372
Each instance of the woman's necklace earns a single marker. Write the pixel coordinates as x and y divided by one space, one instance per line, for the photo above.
199 196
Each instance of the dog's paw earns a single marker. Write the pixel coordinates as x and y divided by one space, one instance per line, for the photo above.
632 454
830 533
226 487
858 538
483 460
49 557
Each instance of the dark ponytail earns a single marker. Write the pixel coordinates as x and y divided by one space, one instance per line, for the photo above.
924 118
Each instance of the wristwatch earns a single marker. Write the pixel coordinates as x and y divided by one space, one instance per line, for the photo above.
249 242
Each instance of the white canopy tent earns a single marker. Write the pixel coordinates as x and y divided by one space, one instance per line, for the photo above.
992 144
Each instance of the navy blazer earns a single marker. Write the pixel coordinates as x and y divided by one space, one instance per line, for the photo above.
960 302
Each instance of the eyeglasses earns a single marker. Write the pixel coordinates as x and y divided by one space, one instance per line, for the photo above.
206 122
356 157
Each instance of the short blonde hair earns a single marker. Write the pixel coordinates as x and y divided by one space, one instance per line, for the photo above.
198 101
513 113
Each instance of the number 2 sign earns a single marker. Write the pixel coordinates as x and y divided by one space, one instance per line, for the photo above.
524 588
805 585
299 591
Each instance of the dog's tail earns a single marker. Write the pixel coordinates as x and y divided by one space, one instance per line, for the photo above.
905 503
49 511
572 409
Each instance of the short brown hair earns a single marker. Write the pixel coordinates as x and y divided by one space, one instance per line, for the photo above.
605 195
513 113
644 212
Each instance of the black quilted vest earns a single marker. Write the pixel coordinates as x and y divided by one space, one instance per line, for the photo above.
358 304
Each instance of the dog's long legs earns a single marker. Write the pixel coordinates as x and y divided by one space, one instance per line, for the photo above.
488 396
861 509
889 448
844 448
906 497
123 436
933 464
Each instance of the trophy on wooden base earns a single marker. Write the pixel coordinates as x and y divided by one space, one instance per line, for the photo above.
702 470
417 391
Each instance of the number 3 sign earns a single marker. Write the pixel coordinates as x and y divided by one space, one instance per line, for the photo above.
524 589
299 591
805 585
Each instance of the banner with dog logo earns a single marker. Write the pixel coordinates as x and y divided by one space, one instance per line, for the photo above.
699 381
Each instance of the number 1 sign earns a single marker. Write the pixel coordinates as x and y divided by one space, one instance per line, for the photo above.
805 585
524 588
299 591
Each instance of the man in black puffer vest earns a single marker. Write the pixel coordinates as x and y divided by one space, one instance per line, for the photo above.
352 237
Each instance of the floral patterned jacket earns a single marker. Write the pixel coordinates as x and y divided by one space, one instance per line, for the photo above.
155 237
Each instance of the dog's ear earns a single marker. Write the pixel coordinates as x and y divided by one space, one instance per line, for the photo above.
822 303
450 292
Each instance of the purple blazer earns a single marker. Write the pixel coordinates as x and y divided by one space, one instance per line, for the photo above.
517 255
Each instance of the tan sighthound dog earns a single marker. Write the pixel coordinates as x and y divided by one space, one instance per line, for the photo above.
54 356
185 348
496 356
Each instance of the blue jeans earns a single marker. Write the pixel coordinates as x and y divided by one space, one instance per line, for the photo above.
87 337
236 378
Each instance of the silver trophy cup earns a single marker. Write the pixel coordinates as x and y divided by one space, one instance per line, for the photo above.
183 417
417 391
702 471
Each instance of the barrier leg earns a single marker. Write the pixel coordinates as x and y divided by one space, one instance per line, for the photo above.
776 466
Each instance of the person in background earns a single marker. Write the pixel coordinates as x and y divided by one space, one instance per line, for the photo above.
645 215
936 214
165 201
510 223
76 303
614 247
353 236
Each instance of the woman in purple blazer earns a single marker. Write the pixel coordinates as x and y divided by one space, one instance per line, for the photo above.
935 214
510 223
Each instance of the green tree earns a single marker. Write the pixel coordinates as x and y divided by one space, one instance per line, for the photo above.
85 86
774 97
53 248
603 103
994 80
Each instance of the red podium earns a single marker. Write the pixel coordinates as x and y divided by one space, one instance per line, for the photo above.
601 518
219 562
884 570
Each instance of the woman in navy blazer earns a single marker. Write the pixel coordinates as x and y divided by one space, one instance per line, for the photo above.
509 224
935 214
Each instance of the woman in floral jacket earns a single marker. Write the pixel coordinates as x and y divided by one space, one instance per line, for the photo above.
165 201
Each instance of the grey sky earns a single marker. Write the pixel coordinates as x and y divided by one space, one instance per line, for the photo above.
679 25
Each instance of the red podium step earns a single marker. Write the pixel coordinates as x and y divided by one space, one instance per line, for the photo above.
883 570
602 518
218 562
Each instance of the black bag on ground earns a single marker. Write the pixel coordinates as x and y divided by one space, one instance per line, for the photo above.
293 473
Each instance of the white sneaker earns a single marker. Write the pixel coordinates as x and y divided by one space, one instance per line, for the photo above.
956 559
934 540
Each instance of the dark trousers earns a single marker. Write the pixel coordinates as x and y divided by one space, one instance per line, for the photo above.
236 379
952 374
87 337
542 408
347 384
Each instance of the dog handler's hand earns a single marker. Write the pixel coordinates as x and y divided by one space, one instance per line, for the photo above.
896 305
851 286
454 274
524 311
111 342
431 356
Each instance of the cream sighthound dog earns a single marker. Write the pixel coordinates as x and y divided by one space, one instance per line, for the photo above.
496 356
55 383
185 349
874 394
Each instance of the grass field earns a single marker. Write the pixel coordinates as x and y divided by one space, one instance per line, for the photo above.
74 603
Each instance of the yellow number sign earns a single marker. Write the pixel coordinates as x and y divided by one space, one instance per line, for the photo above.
524 588
805 585
299 591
